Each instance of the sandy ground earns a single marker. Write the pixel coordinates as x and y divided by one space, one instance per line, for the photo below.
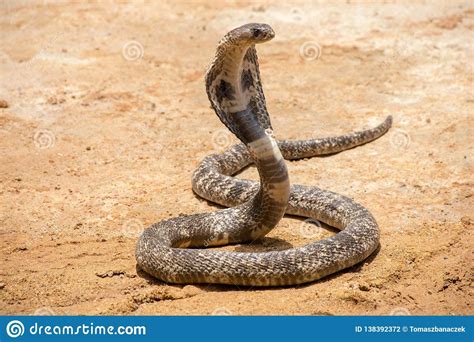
105 117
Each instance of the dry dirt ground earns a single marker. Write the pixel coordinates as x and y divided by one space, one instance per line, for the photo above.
104 117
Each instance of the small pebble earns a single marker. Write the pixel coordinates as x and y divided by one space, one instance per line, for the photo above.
2 286
3 104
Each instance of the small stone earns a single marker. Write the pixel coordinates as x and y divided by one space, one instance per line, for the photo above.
2 286
110 273
364 287
88 148
466 220
53 100
260 8
3 104
377 283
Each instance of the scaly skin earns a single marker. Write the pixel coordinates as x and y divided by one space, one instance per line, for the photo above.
234 88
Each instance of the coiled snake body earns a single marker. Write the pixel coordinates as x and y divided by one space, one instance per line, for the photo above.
168 250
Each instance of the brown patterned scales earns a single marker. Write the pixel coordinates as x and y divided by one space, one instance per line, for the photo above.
234 88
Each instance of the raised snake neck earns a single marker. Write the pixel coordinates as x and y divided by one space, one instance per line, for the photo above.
234 89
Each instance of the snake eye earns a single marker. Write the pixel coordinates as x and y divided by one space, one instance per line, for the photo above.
256 32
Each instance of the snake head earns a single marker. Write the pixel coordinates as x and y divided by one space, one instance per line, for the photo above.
253 33
233 82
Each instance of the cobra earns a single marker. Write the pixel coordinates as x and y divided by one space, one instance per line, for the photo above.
175 250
